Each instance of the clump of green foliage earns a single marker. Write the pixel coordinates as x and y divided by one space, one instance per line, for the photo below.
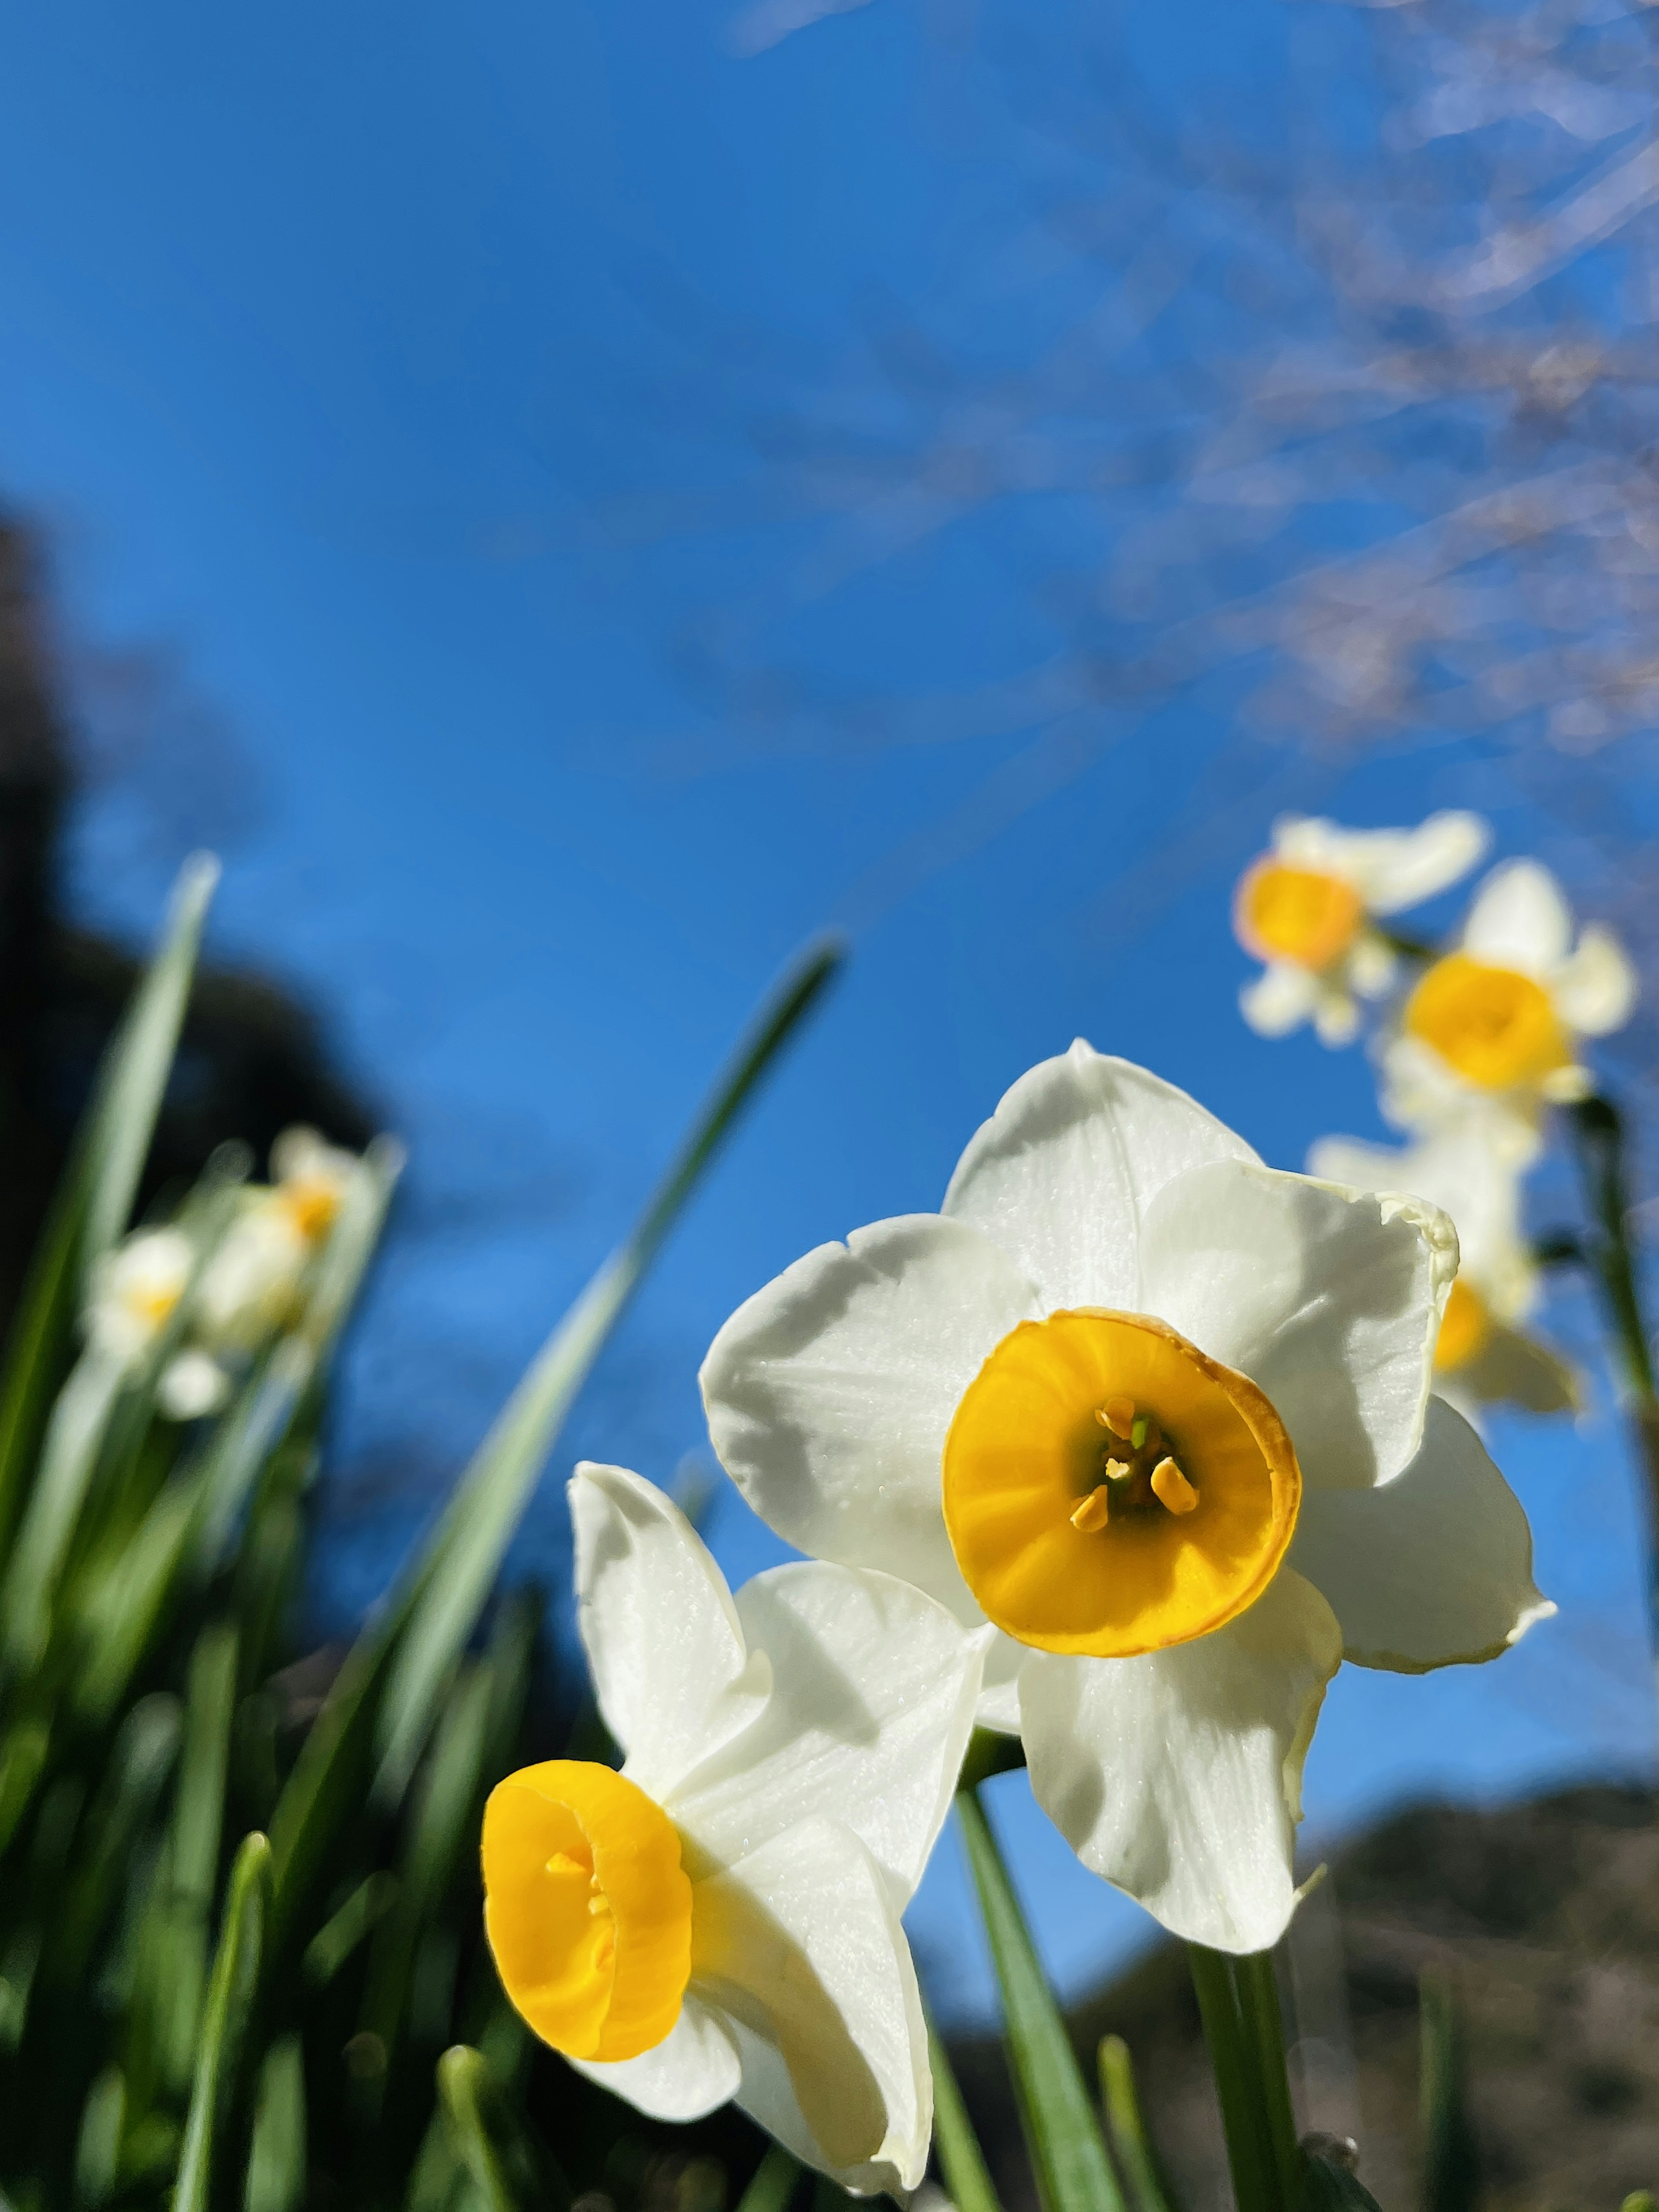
241 1962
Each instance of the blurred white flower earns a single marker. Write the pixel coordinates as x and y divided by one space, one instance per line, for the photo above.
1490 1033
721 1920
191 1386
135 1289
1306 908
1162 1415
252 1284
1482 1356
311 1180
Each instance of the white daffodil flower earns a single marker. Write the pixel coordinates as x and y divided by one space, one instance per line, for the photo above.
252 1284
1490 1033
135 1289
1482 1356
721 1919
1306 909
1164 1416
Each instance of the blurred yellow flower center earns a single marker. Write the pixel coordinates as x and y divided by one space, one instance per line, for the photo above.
152 1304
1494 1025
311 1203
1109 1490
1464 1328
1297 913
586 1907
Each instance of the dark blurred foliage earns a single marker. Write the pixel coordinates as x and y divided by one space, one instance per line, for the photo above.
1542 1919
253 1060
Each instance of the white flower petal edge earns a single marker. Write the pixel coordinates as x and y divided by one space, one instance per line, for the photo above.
1328 1298
1060 1174
1595 986
674 1677
800 1943
830 1392
1177 1775
1519 920
1280 1000
1459 1170
1391 869
878 1750
694 2070
1431 1570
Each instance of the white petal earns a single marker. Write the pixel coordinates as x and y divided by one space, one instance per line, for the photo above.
1280 1000
1372 965
830 1392
1177 1775
693 2070
1460 1170
1397 868
191 1387
1429 1570
800 1946
1336 1017
672 1674
1421 1093
1061 1173
1519 920
998 1696
874 1687
1596 988
1329 1299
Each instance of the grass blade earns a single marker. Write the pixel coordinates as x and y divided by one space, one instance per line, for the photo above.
382 1705
231 1993
1068 2155
276 2155
95 1197
509 2170
1143 2186
466 1551
1451 2166
773 2182
968 2180
135 1074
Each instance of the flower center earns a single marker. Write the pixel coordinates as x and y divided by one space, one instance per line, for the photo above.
311 1203
1494 1025
1297 913
1464 1328
1109 1490
587 1908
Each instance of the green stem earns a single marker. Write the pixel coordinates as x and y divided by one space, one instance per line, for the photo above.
1599 1139
1258 2004
1239 2007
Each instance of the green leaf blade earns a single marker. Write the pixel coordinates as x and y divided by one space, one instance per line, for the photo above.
1068 2155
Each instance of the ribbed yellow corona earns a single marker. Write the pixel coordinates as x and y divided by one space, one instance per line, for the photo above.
1495 1026
1301 915
586 1907
1168 1525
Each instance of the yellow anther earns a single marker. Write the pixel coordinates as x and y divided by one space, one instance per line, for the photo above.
600 1905
1117 1414
1093 1512
1171 1488
562 1863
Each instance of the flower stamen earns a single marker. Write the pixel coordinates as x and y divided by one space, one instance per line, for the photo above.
1095 1510
1171 1488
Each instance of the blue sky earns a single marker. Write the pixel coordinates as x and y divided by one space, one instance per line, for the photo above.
409 375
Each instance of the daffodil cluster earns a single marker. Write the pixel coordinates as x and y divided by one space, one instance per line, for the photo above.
1122 1452
208 1292
1475 1043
